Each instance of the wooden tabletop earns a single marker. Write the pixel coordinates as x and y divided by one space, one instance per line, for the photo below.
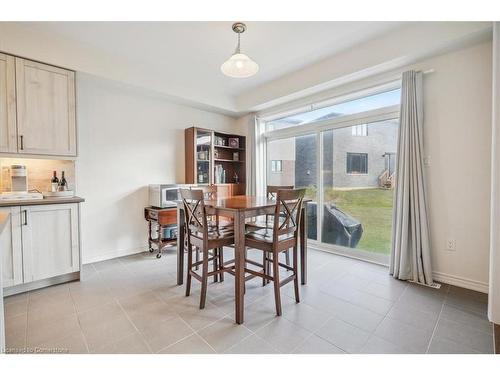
243 202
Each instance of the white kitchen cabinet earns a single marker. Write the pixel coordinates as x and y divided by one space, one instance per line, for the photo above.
10 244
8 131
46 121
50 240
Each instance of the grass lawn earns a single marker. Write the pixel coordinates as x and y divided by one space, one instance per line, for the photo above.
373 208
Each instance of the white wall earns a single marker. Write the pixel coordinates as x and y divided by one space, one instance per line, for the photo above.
457 131
128 138
457 137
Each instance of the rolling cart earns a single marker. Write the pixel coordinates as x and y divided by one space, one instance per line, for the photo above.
162 221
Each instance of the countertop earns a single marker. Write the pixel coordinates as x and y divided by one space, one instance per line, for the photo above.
38 202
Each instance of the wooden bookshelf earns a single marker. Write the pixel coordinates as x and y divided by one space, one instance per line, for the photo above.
208 152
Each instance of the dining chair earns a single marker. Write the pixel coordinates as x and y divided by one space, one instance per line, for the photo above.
282 237
210 241
214 221
266 221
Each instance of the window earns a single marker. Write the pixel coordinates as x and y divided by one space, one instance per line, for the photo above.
324 148
360 130
349 107
276 166
357 163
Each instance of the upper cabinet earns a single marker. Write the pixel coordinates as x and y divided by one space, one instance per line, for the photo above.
8 133
45 109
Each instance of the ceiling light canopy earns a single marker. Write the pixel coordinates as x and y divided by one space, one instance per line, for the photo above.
239 65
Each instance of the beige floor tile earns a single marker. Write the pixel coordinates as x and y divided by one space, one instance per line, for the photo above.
198 319
283 335
132 344
252 345
343 335
404 335
377 345
166 333
18 307
193 344
146 310
316 345
343 303
51 330
90 298
224 334
51 309
72 344
466 336
304 315
104 325
355 315
15 331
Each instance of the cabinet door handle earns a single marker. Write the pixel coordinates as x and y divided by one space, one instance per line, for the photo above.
25 213
22 142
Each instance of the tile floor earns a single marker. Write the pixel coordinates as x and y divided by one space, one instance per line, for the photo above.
133 305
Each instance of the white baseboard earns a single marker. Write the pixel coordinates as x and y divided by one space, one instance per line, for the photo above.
114 254
462 282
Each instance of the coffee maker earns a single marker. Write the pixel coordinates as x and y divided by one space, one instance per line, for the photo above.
18 178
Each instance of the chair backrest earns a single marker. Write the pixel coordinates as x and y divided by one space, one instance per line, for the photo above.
209 192
287 213
194 213
272 190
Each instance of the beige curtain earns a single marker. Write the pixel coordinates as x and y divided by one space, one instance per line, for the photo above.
410 256
494 287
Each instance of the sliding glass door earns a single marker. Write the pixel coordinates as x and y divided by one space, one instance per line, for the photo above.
293 162
345 156
358 186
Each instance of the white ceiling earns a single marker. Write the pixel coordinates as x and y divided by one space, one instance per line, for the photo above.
185 57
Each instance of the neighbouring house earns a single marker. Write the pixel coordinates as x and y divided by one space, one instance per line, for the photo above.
359 156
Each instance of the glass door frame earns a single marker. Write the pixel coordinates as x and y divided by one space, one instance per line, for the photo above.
318 128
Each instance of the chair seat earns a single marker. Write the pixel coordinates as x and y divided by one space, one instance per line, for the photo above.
266 235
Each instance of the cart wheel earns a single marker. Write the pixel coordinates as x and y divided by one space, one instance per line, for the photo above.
158 255
151 250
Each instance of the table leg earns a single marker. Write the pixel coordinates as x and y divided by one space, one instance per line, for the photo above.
239 253
180 246
303 245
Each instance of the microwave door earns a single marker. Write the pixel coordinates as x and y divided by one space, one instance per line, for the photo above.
169 197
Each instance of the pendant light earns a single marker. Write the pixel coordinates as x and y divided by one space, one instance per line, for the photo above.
239 65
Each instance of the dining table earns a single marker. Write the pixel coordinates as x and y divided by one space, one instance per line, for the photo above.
241 208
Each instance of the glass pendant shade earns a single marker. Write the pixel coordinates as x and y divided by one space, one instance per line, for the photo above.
239 65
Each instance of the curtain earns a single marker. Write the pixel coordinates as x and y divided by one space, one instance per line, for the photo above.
256 157
494 284
410 255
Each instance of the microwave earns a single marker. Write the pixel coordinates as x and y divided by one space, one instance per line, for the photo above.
165 195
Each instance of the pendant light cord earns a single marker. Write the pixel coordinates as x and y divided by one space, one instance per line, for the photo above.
238 45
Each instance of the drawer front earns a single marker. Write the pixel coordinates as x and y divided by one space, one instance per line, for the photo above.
167 217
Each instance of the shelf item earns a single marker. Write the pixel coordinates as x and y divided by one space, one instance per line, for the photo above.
59 194
222 161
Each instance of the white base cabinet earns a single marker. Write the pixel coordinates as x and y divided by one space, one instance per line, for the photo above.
12 251
41 242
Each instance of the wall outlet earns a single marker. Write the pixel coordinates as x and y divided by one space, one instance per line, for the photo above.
451 244
427 160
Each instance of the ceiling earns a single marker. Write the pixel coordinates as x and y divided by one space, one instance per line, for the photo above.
183 58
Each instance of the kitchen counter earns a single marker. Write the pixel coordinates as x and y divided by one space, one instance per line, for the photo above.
36 202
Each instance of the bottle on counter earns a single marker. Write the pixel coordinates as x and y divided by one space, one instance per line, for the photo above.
54 183
63 185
